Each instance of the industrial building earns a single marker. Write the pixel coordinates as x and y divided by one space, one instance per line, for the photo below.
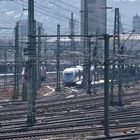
136 24
96 16
23 28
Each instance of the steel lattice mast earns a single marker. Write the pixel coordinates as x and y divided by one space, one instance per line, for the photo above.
116 46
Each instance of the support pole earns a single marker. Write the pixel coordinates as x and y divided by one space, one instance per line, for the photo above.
85 50
58 59
17 64
116 45
39 59
120 68
72 33
45 50
25 83
31 91
95 62
106 85
89 68
5 65
73 49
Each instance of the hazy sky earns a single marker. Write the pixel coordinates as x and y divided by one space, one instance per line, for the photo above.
128 9
13 11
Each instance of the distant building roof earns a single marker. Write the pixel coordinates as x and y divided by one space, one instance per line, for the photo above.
136 16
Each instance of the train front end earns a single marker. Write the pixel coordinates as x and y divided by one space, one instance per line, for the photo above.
69 77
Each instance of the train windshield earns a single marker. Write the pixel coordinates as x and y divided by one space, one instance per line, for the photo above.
68 74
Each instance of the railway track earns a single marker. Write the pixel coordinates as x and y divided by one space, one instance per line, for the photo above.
87 113
55 108
66 129
67 116
62 101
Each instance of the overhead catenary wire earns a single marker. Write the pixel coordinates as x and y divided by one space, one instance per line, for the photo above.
64 8
54 17
109 19
78 14
98 16
58 18
67 18
74 7
58 14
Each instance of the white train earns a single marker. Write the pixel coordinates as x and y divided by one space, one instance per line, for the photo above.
72 75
